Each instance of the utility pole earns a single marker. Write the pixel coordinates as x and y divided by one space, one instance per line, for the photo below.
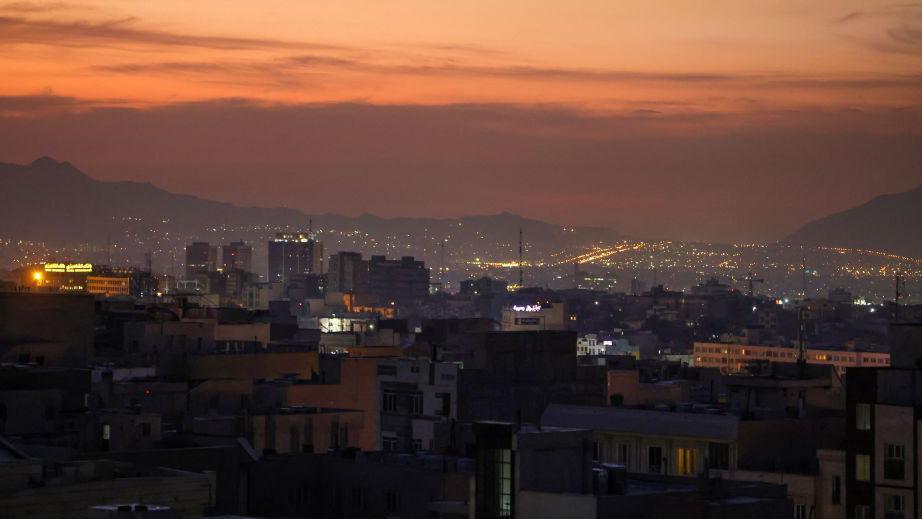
801 341
442 261
896 299
521 273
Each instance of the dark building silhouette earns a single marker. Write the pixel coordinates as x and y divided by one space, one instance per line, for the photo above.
347 272
294 253
201 258
237 256
402 281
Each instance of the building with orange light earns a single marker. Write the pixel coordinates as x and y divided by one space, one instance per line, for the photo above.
108 285
739 358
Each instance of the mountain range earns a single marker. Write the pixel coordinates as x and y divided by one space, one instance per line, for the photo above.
54 202
889 223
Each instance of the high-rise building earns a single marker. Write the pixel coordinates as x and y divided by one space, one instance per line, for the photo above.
237 256
201 258
402 281
294 253
347 272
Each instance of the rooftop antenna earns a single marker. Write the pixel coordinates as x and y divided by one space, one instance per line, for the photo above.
310 226
521 276
109 248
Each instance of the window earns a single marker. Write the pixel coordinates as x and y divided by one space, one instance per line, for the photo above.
719 456
621 454
655 460
392 501
894 506
800 511
390 402
894 461
503 479
863 417
686 459
836 490
862 512
445 408
417 444
145 429
416 403
863 467
389 443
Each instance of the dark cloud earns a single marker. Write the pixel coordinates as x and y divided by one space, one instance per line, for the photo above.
127 31
735 177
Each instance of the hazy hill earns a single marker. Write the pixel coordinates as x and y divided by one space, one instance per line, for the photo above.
55 202
890 223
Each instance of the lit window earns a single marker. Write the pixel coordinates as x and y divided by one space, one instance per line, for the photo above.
863 417
863 467
686 461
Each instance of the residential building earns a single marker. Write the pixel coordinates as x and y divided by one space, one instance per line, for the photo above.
237 255
403 282
738 358
201 258
294 253
347 272
654 442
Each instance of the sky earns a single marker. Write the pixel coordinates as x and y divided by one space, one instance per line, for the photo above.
679 119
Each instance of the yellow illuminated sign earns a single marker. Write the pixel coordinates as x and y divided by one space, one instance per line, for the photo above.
71 268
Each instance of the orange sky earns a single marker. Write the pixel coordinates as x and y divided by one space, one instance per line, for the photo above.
718 55
588 74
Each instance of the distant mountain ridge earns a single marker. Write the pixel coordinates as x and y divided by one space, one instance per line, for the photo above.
53 201
890 223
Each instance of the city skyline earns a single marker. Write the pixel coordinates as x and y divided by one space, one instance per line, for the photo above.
729 122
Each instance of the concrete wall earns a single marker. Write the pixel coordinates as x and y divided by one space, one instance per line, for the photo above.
254 365
546 505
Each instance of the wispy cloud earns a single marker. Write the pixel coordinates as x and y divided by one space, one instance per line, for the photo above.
894 28
127 32
47 103
290 70
40 7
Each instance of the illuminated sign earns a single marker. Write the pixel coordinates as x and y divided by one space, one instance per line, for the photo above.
527 308
70 268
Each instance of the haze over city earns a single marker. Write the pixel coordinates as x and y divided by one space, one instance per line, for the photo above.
409 259
728 121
